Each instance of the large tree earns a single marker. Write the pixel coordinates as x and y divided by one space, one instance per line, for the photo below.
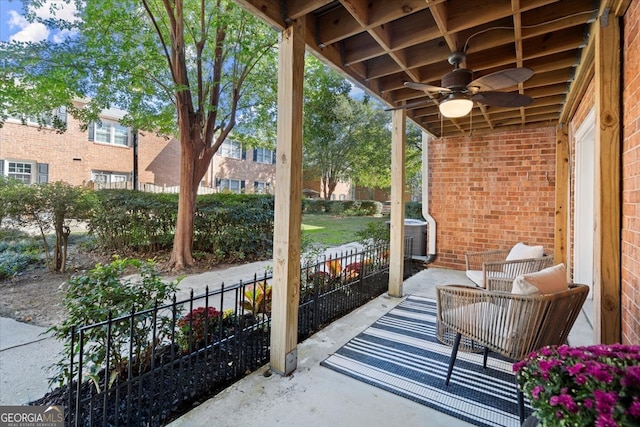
348 137
179 67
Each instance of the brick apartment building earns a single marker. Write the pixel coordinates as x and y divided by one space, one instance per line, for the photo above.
106 153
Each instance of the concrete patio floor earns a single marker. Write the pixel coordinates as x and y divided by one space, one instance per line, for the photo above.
317 396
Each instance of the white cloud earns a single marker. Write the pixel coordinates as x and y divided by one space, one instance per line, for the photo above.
58 9
34 31
27 32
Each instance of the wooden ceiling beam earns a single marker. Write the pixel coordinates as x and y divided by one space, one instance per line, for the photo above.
357 16
439 12
549 78
298 8
559 41
267 10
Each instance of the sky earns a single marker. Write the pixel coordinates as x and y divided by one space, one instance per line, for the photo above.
14 26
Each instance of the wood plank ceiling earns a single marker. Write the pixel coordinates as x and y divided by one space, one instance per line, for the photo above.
381 44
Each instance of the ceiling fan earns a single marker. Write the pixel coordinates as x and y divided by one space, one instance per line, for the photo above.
458 91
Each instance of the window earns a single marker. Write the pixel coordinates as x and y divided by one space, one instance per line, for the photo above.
260 187
109 133
100 177
57 117
232 150
27 172
262 155
20 171
230 185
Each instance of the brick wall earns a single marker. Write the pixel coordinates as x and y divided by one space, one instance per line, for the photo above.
72 157
492 191
631 177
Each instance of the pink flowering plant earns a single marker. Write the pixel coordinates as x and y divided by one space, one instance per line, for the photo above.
596 385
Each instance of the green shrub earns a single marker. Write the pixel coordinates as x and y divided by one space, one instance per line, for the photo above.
313 205
413 210
100 295
375 233
14 262
17 251
335 207
230 227
134 220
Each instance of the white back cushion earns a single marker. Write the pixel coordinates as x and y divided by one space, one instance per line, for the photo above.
522 251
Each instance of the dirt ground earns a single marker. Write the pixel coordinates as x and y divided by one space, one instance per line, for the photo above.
35 296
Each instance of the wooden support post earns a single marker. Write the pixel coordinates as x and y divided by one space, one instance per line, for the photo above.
561 235
288 199
396 261
607 270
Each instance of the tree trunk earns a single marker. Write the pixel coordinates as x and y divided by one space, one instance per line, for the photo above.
181 255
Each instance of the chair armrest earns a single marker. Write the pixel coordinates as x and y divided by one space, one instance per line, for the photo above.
474 260
499 284
509 270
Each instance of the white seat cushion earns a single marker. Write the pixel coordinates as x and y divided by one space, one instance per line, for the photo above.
476 276
522 251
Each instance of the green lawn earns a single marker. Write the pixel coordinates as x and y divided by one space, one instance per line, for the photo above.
329 230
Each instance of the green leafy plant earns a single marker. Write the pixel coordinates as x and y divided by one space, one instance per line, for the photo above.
596 385
375 233
102 295
257 299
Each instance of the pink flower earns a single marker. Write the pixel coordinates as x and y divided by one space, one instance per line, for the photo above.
535 393
634 409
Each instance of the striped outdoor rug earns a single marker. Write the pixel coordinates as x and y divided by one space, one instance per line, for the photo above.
400 353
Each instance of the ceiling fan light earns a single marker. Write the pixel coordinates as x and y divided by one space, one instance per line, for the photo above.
456 106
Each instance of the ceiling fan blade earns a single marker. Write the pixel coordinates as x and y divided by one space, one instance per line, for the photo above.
426 87
502 99
501 79
409 105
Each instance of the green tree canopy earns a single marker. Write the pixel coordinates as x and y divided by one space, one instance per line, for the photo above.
179 67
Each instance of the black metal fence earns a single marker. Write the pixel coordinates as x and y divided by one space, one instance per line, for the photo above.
149 366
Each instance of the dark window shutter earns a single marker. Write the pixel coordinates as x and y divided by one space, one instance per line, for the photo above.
92 126
1 167
244 154
273 157
242 186
218 182
43 173
255 185
255 154
62 114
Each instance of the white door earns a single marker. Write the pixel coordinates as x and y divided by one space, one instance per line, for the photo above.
583 264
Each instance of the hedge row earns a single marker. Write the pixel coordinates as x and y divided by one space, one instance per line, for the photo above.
342 207
229 226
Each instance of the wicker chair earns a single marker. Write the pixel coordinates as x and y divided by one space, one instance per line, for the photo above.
509 324
483 267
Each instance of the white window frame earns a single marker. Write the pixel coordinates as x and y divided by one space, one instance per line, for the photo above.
260 187
45 119
103 177
111 132
264 156
230 185
19 175
230 149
